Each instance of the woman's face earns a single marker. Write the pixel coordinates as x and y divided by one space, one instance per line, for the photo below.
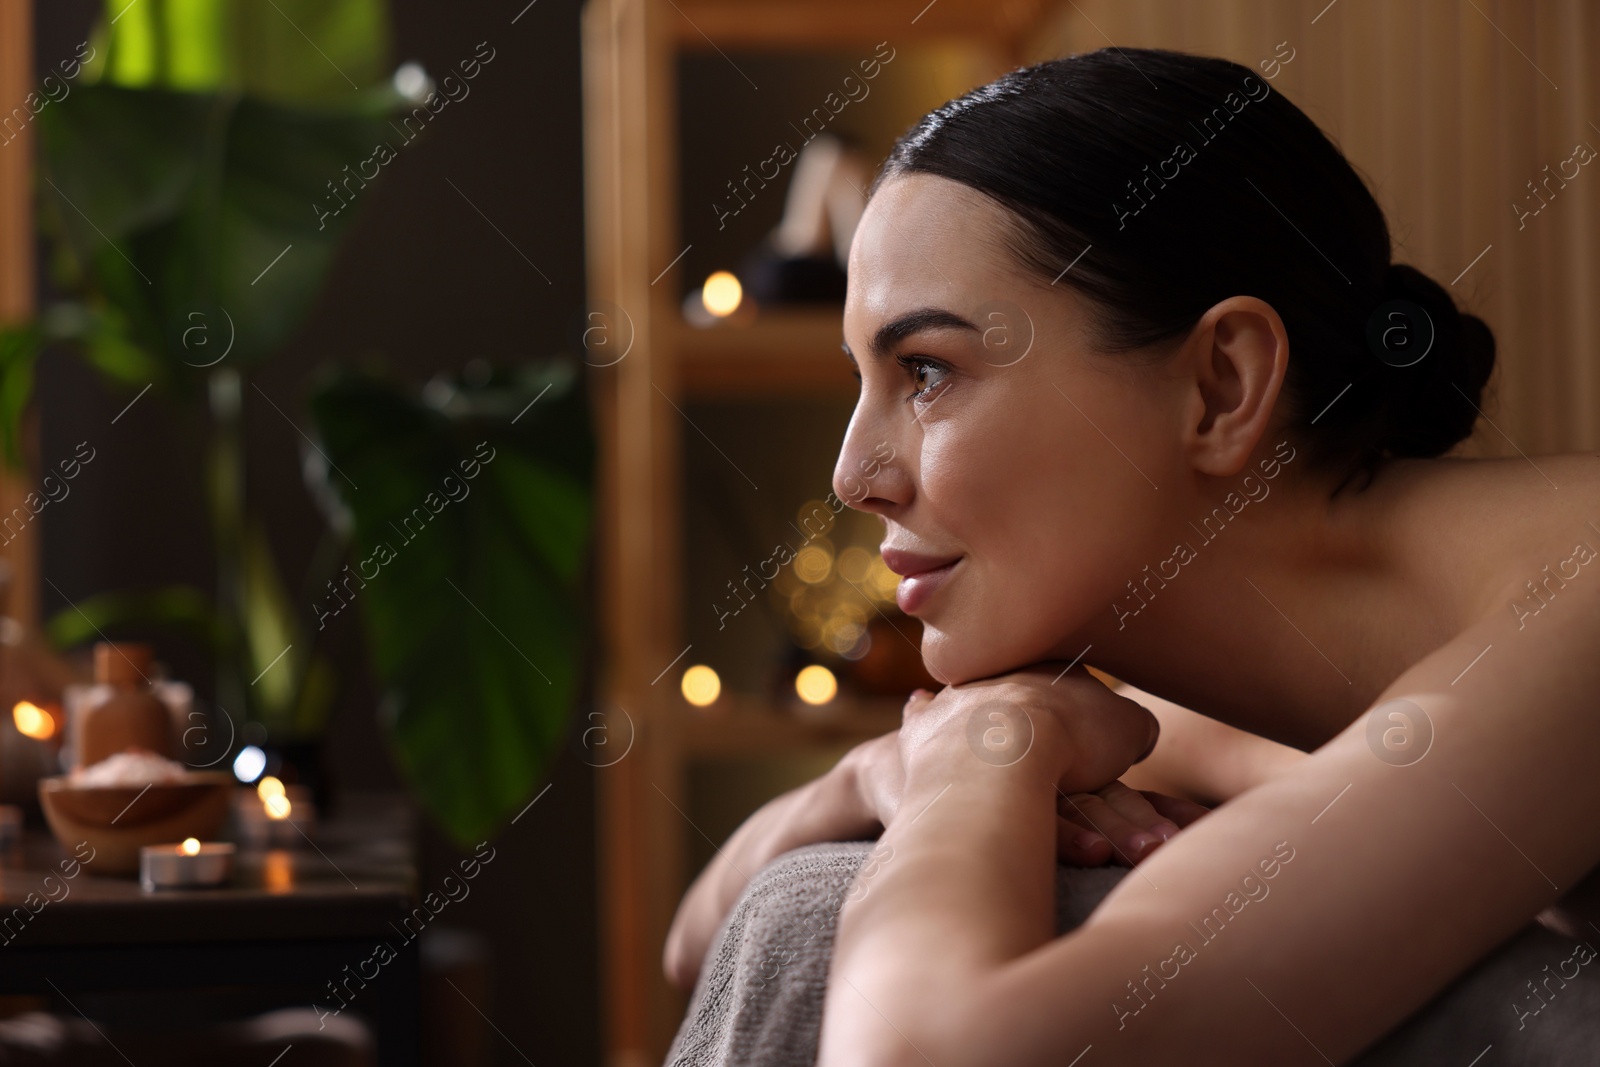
1023 467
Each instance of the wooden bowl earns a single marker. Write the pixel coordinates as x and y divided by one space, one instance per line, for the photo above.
117 821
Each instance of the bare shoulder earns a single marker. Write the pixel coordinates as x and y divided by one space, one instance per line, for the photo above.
1395 856
1509 492
1546 520
1476 527
1562 487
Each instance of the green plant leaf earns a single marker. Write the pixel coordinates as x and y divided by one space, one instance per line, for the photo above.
271 636
181 608
471 529
319 686
19 349
202 221
296 50
109 346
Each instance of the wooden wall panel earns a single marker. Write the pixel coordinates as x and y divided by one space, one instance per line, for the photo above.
1442 106
1580 25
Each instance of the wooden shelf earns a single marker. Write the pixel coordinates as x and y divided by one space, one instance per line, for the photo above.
779 351
749 726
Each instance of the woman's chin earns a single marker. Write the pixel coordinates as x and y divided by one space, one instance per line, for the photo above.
955 659
938 655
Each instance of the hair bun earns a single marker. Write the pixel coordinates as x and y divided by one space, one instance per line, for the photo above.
1426 407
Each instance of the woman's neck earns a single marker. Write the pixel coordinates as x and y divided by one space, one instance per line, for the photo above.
1302 600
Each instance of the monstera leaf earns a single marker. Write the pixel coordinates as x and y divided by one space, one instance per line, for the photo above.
193 219
469 513
193 174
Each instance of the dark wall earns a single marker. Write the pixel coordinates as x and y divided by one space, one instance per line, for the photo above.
425 283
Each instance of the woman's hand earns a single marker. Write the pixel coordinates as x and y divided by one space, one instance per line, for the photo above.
1062 727
1119 823
1112 822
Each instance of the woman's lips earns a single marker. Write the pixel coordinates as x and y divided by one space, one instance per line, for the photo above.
915 589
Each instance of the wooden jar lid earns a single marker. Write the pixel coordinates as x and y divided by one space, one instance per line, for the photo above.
122 662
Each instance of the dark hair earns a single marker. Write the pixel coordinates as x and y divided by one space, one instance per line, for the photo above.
1168 182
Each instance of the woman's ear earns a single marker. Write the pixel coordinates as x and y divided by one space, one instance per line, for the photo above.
1237 356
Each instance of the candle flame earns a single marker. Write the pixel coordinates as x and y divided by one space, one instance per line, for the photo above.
190 847
33 721
278 807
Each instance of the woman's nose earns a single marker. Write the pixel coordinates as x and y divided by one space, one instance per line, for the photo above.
870 474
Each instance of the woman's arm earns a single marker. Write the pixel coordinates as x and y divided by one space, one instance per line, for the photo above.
1201 759
1295 924
853 801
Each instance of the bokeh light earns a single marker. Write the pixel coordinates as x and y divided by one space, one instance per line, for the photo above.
701 686
249 763
813 564
722 293
816 684
855 564
33 721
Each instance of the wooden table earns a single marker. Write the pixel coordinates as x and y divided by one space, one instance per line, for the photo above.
296 927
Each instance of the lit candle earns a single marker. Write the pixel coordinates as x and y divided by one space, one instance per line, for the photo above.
185 865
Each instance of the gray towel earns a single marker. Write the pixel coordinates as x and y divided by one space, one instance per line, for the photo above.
758 1002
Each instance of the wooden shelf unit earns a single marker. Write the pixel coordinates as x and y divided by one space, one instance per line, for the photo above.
20 554
746 726
728 359
632 226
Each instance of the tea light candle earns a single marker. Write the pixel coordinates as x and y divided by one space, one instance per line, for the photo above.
185 865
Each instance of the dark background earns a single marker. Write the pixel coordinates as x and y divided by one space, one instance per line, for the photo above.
426 284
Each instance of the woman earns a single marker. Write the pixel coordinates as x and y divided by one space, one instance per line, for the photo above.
1161 403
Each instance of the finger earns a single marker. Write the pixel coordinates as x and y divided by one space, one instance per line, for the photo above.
1080 846
1183 812
1135 806
1107 733
1129 842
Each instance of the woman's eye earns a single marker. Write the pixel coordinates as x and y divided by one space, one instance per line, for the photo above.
925 374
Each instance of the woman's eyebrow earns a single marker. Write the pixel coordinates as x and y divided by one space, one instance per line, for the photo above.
898 329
